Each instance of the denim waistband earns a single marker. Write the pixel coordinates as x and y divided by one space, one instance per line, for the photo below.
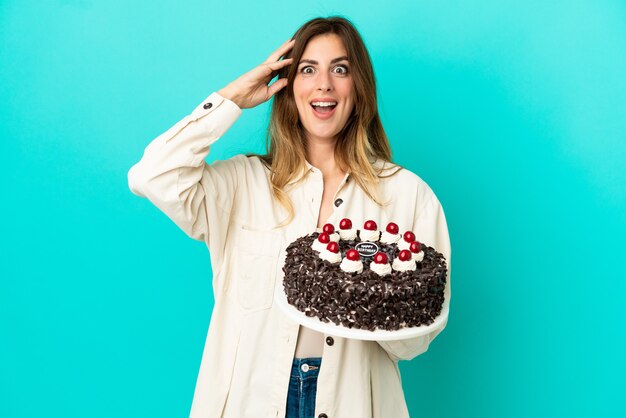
306 367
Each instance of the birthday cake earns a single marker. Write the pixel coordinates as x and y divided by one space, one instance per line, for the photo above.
365 278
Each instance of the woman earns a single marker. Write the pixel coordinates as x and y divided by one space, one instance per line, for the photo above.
322 165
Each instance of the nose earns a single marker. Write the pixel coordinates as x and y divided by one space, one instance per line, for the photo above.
324 82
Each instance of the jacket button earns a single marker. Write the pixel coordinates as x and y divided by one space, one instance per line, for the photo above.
330 341
338 202
322 415
208 105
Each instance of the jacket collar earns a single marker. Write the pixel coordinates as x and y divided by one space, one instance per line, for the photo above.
308 168
378 163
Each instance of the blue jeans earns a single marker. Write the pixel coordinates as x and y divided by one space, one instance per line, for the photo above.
303 387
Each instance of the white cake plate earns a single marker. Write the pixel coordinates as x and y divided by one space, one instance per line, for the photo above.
330 328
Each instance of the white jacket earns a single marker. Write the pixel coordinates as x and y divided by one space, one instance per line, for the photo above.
250 345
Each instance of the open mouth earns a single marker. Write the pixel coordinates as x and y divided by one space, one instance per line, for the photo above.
324 108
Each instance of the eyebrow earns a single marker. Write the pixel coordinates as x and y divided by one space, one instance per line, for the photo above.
334 60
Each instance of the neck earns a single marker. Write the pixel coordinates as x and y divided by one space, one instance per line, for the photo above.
321 155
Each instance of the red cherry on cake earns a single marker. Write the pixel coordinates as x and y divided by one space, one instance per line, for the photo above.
328 228
353 255
405 255
370 225
380 258
345 224
324 238
409 236
415 247
333 247
392 228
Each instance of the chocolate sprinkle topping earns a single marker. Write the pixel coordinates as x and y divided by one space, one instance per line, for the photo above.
364 300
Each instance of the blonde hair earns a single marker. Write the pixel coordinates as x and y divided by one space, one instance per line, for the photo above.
361 142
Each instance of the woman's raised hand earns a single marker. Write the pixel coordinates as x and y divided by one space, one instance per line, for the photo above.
252 88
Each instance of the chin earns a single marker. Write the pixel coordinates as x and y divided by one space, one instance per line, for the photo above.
324 134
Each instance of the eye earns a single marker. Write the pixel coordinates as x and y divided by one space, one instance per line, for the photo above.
345 69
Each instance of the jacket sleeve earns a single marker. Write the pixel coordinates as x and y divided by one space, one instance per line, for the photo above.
430 228
174 176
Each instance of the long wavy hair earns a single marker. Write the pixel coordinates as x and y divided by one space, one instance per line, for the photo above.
362 141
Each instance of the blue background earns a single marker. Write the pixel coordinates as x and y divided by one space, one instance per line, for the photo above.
513 112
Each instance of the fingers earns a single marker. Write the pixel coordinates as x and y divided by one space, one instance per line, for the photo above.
276 86
276 65
268 70
282 50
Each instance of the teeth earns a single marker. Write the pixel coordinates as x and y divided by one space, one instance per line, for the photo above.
323 103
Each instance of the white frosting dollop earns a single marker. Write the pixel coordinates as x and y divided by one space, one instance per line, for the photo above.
367 235
388 238
400 265
418 256
318 246
381 269
403 244
330 256
351 266
334 236
347 234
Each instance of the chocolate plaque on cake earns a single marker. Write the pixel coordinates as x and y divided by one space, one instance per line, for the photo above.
366 249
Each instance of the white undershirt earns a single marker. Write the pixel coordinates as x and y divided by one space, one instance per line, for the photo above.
310 343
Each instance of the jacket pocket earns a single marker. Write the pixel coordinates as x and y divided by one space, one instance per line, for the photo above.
258 252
